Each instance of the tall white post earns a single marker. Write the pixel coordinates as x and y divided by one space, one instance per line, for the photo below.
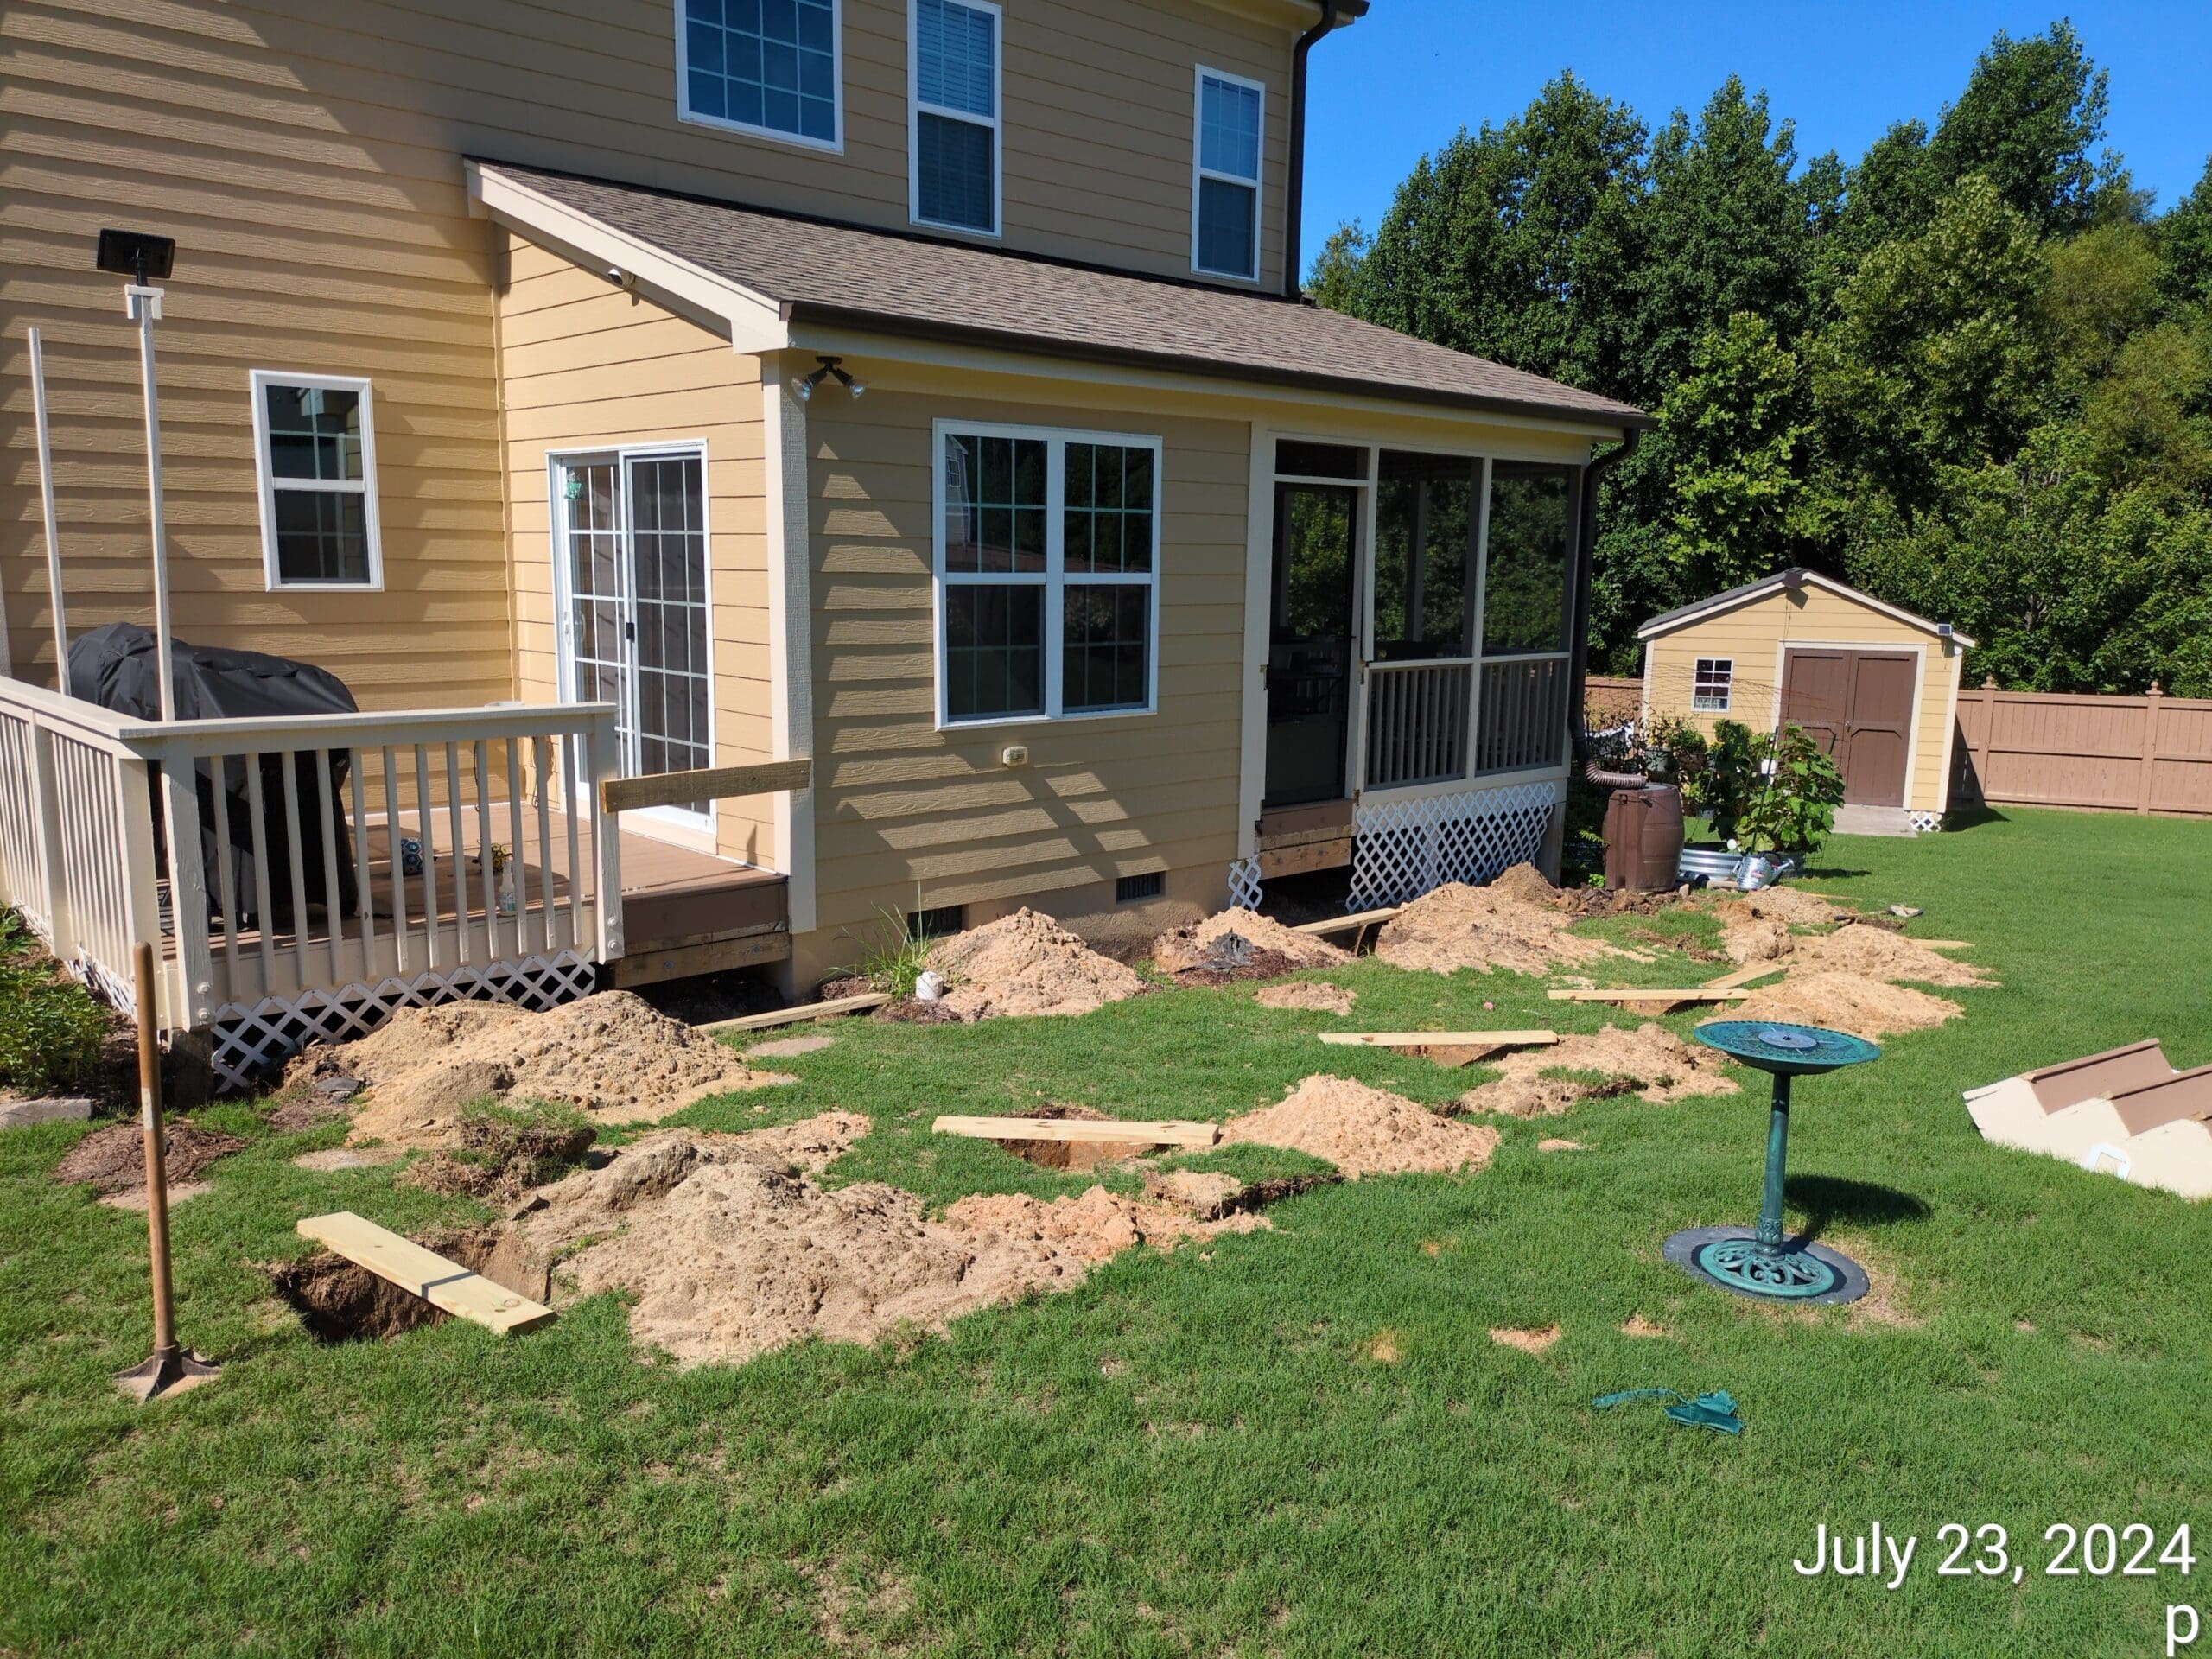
52 534
144 306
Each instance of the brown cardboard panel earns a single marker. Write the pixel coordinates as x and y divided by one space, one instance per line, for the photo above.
2182 1095
2116 1070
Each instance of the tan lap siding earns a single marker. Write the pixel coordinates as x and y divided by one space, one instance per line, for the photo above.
907 808
1752 636
587 367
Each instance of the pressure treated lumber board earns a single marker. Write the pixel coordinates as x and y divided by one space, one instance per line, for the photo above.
1944 944
836 1005
1639 993
618 795
1744 975
1108 1130
425 1273
1441 1039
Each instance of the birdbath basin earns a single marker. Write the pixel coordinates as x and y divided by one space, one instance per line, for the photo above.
1761 1261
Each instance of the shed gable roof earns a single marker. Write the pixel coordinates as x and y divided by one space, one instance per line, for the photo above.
1795 576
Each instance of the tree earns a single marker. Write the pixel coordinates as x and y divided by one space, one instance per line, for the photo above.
2031 112
1338 273
2103 287
1936 353
2184 239
1736 438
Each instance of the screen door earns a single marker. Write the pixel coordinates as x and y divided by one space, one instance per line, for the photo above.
633 631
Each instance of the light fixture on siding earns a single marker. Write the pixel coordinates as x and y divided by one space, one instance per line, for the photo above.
827 369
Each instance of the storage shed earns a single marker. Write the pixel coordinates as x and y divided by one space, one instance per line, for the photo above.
1876 684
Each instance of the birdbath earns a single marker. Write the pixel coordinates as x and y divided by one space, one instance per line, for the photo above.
1759 1261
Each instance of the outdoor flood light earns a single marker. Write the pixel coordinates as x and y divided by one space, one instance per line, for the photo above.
828 368
139 255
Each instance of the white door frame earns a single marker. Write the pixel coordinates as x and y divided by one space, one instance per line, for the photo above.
695 829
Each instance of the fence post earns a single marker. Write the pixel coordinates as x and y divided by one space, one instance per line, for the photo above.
2150 749
61 927
1988 736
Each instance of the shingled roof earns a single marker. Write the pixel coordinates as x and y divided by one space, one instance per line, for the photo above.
830 273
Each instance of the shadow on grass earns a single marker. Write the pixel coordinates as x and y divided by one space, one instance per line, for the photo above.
1827 1199
1971 818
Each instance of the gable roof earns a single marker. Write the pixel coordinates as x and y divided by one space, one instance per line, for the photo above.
813 271
1795 576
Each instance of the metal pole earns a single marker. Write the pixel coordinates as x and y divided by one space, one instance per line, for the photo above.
144 304
52 534
1778 1154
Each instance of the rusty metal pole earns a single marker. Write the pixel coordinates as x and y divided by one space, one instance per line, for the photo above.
170 1367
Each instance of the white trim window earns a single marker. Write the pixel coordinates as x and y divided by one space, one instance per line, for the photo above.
314 448
952 72
1226 175
1713 684
1047 566
772 68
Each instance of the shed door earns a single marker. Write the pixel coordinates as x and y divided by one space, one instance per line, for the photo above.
1859 705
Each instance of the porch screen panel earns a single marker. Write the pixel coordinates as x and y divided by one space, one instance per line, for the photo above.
1527 581
1425 556
669 532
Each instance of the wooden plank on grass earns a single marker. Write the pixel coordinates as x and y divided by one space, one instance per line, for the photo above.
1640 994
1441 1039
1341 924
425 1273
1107 1130
1743 975
705 784
1944 945
836 1005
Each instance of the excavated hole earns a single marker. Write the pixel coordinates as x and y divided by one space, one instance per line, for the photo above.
340 1301
1075 1156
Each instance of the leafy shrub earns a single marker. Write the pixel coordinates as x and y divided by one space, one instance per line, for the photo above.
51 1030
895 959
1772 793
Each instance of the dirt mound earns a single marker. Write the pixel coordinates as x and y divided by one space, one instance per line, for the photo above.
611 1056
1866 1007
113 1159
1525 882
1027 963
1649 1061
1364 1131
1790 905
1459 926
728 1256
1240 945
1876 954
1312 996
1534 1339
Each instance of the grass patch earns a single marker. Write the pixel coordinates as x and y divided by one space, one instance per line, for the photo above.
1297 1442
52 1032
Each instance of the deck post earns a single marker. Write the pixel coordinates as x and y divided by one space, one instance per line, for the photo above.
606 837
195 973
61 927
142 902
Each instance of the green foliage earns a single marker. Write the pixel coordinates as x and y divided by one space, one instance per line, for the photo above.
1737 437
2030 114
1722 785
1335 278
51 1030
1793 808
895 955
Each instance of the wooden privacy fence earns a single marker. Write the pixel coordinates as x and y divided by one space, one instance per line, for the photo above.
2147 754
1610 699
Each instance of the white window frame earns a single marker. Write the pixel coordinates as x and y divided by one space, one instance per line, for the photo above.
1200 172
259 381
1724 671
997 122
833 145
1054 579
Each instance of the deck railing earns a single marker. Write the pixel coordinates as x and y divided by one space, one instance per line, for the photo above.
317 852
1522 715
1417 718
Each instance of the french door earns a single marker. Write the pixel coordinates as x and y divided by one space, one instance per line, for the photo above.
632 563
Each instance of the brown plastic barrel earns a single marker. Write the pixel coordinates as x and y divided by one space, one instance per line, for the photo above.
1659 848
1625 815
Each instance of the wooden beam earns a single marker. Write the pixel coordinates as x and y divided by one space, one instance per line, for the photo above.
652 965
1638 994
1942 945
1108 1131
425 1273
1305 857
1342 924
1743 975
836 1005
618 795
1441 1039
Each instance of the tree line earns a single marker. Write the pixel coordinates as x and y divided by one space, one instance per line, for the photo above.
1970 373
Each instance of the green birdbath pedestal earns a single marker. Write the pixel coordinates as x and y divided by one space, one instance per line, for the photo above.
1763 1260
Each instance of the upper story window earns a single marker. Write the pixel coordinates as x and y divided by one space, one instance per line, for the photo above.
765 67
1225 183
955 141
315 452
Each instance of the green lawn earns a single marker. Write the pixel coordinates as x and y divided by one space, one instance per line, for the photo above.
1198 1453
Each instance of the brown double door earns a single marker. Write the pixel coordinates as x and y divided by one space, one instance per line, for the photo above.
1858 704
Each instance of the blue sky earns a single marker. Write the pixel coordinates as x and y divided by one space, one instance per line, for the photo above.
1412 71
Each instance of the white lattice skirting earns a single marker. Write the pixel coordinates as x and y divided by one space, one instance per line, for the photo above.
1926 823
1245 883
249 1040
1405 848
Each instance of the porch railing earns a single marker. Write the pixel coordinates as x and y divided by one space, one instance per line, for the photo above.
1522 715
269 871
1417 718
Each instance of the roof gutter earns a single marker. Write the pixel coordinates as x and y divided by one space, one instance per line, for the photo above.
1294 207
1586 566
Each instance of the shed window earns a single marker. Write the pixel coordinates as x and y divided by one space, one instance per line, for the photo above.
316 454
1225 207
1047 560
956 105
1715 679
766 67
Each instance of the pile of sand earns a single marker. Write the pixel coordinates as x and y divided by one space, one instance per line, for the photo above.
1516 923
1875 953
611 1056
1027 963
1364 1131
1315 996
1865 1007
113 1159
1755 926
1240 945
1649 1061
728 1256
